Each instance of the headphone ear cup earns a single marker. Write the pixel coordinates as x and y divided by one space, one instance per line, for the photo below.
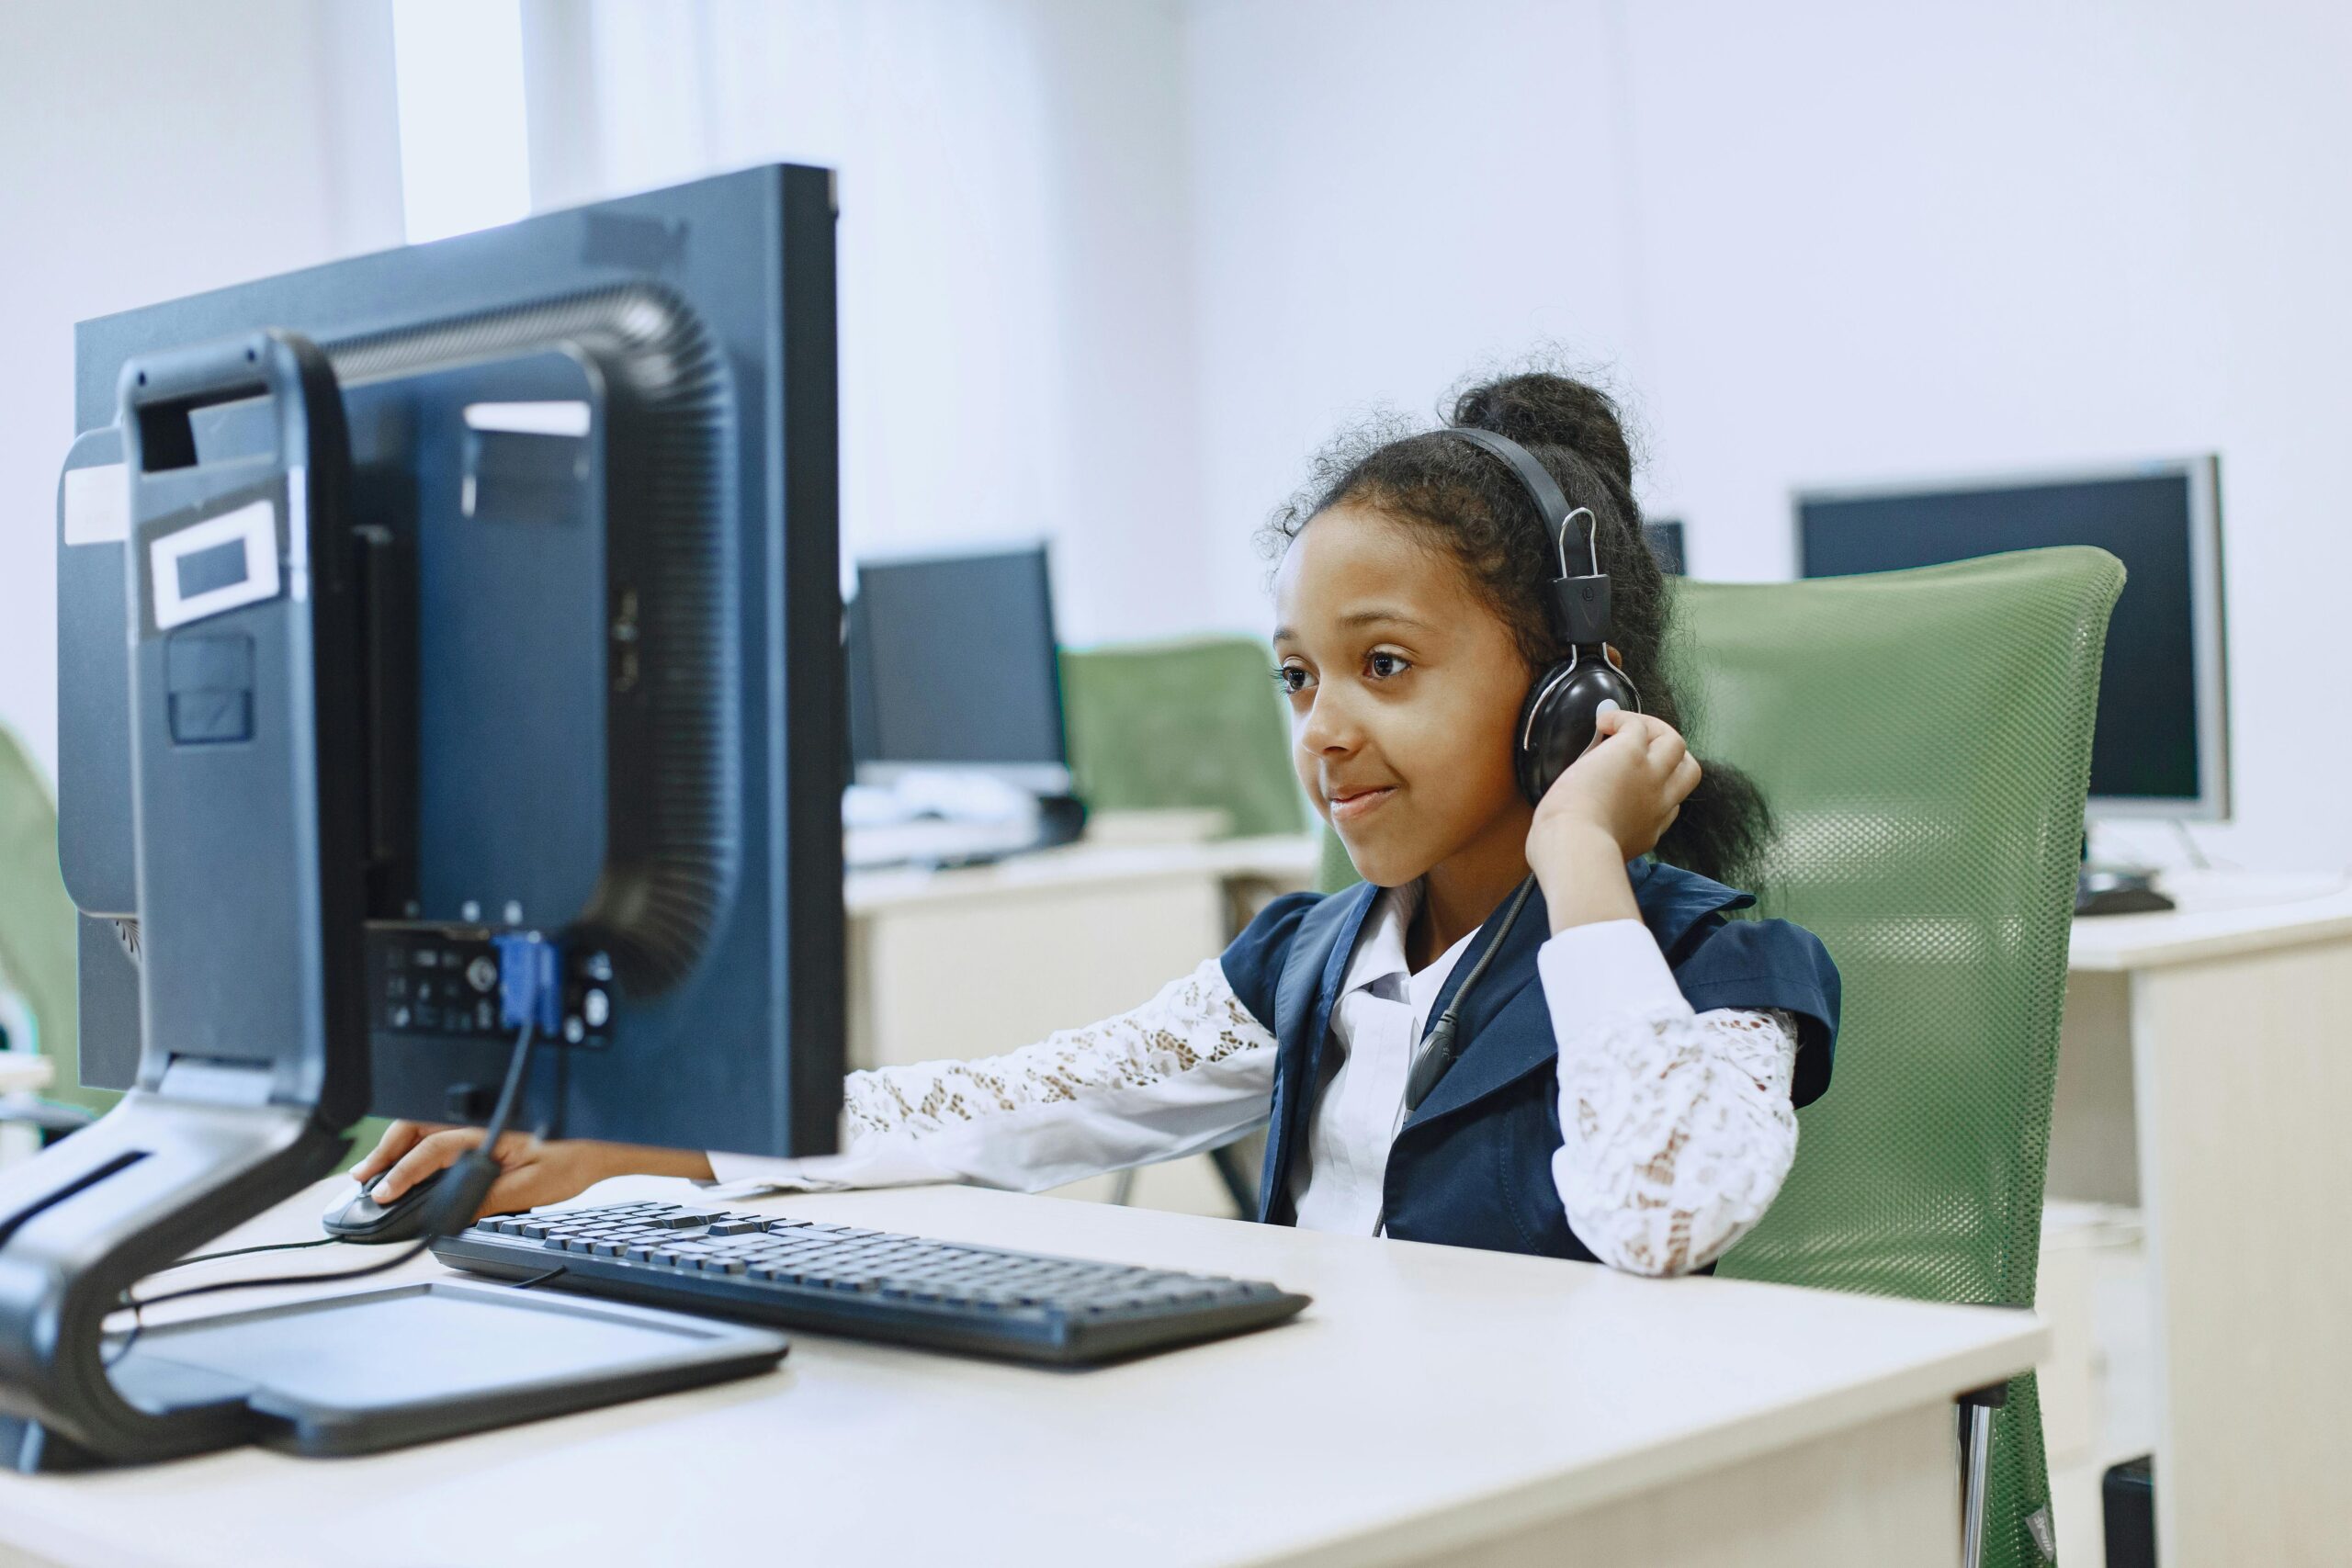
1557 721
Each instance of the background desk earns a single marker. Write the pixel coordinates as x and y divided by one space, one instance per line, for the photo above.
970 961
973 962
2205 1081
1433 1406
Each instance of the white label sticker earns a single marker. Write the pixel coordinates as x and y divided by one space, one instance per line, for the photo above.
529 419
218 564
97 502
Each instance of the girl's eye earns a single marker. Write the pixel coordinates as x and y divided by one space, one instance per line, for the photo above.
1292 677
1384 665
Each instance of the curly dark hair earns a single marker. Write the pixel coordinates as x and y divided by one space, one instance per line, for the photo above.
1461 498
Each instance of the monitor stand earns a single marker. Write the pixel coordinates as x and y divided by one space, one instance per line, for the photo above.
242 1088
2102 889
2115 890
347 1373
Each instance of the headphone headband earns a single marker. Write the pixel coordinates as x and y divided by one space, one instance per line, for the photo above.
1541 488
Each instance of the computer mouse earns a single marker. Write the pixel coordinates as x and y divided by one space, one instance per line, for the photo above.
360 1218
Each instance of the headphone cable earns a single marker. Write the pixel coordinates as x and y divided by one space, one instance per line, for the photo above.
1436 1051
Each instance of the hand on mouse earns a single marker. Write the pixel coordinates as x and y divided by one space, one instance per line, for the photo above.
532 1171
1610 807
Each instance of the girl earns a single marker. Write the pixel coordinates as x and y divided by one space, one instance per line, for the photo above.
1627 1065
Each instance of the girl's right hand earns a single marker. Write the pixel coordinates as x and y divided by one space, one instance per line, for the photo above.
1629 784
1610 807
532 1171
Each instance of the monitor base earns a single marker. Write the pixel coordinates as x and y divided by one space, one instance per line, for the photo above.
2115 890
157 1178
383 1369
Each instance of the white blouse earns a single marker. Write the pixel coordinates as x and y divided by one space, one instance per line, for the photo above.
1677 1126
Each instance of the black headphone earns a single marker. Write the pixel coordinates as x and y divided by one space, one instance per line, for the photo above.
1563 705
1557 721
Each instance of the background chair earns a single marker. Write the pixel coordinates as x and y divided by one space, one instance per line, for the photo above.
36 941
39 929
1924 738
1186 726
1156 725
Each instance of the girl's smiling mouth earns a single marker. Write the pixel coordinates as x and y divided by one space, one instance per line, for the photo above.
1348 805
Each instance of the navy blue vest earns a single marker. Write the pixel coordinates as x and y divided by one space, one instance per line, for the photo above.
1473 1165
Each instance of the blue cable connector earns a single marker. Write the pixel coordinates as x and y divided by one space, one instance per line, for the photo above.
530 981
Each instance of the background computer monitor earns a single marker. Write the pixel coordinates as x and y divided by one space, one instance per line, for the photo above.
2162 744
592 489
953 663
1663 536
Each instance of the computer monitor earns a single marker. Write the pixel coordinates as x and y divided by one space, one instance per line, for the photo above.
1663 536
591 603
953 663
2161 748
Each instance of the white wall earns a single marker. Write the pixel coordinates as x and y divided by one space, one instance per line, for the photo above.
1013 318
1112 271
151 148
1820 242
2059 233
1386 195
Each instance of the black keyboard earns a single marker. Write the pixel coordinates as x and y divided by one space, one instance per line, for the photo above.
833 1279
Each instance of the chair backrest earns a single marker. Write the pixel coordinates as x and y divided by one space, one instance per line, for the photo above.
1334 870
1924 738
1181 725
39 923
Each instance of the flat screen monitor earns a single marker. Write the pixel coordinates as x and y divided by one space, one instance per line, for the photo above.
596 597
2161 748
953 663
1663 536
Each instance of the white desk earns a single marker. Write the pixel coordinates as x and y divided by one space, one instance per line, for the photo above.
1433 1406
2204 1078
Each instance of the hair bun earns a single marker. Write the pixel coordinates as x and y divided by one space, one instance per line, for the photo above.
1539 409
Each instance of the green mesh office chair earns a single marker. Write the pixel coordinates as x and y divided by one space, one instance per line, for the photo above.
36 934
1925 739
1156 725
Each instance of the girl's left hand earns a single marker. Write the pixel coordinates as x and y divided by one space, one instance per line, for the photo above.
1610 807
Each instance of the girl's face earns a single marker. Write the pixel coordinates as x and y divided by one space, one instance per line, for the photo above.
1404 687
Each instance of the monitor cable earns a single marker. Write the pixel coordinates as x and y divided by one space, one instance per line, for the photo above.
449 1211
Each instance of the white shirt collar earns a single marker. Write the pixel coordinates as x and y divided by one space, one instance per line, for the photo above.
1379 963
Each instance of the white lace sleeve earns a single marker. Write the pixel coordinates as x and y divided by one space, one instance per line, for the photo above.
1182 1073
1677 1127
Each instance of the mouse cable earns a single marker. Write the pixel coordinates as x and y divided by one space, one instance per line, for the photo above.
475 1169
242 1251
